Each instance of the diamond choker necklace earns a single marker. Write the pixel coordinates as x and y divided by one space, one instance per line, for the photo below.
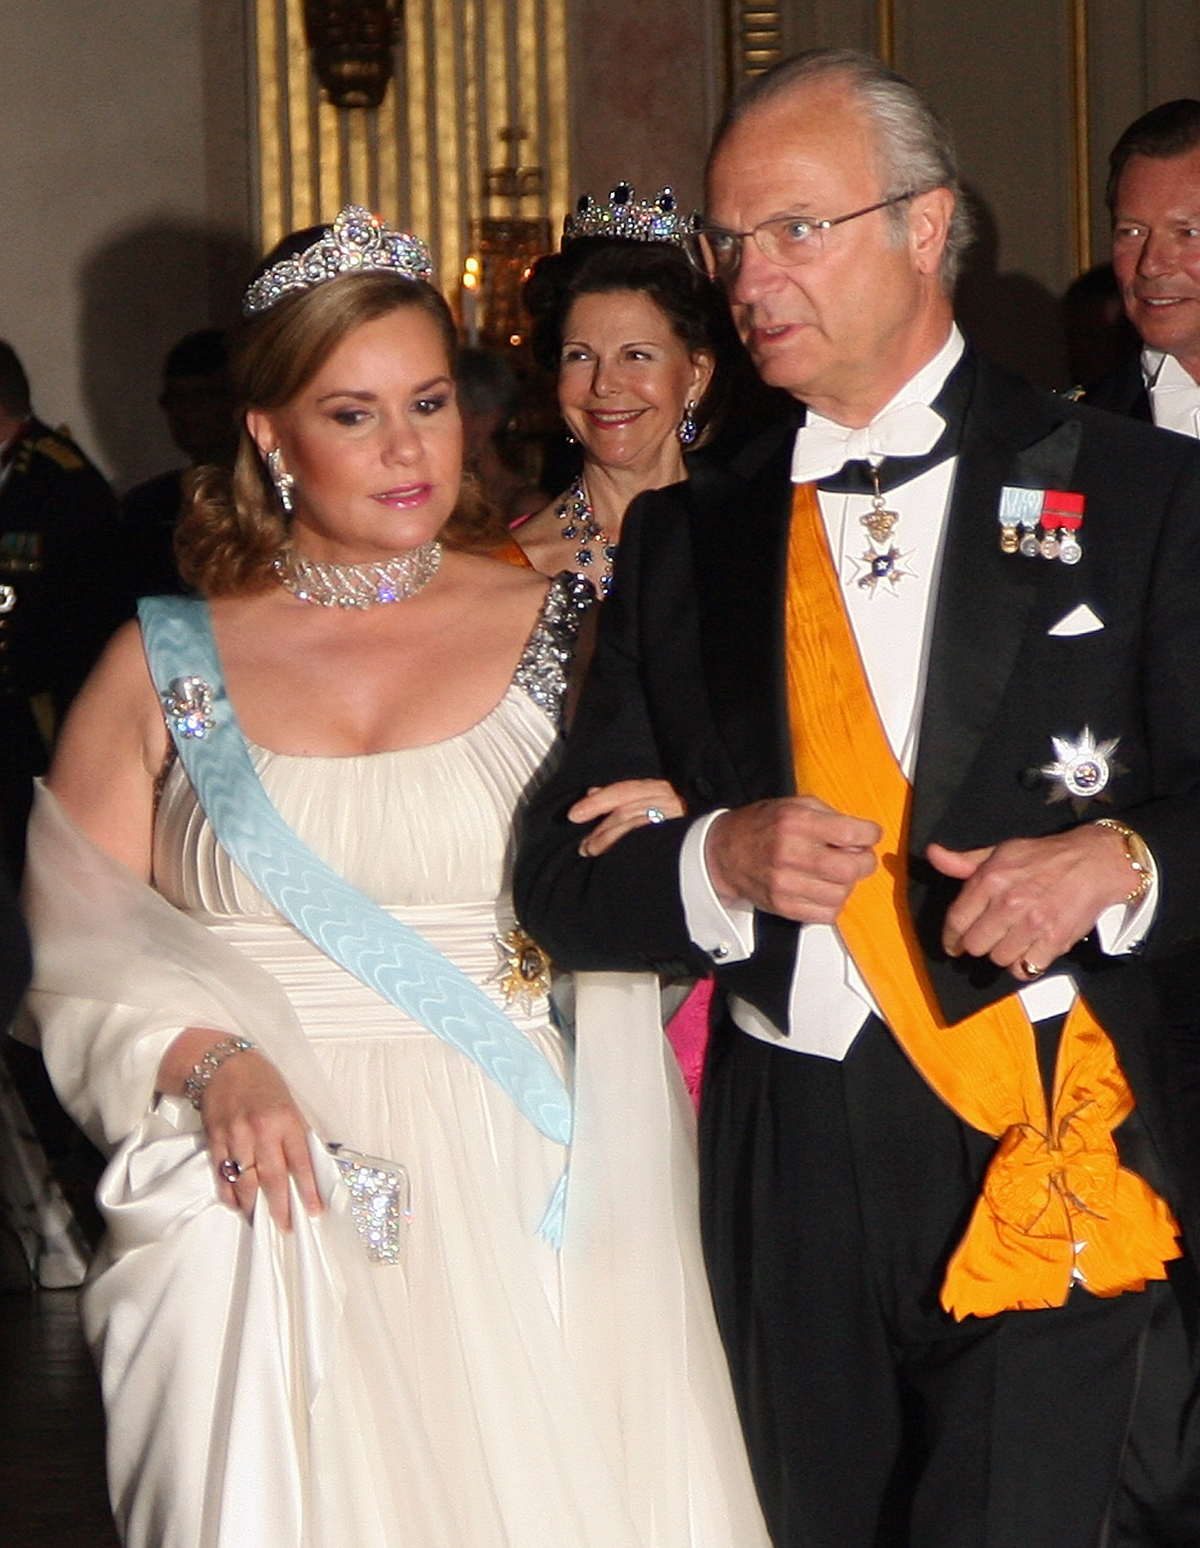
358 585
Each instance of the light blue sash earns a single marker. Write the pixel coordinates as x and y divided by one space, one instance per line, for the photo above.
379 950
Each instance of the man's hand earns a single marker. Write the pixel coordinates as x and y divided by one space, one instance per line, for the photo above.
796 857
1027 901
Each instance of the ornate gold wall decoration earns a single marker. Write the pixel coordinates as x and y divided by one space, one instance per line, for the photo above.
755 40
351 43
1081 183
465 70
885 30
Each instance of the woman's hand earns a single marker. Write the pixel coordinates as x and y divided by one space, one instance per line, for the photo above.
249 1118
624 806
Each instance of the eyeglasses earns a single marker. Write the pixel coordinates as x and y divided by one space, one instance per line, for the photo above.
787 240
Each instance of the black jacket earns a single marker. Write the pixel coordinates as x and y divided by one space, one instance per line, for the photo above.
1123 391
687 683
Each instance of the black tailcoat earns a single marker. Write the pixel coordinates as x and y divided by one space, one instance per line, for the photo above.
687 683
1123 391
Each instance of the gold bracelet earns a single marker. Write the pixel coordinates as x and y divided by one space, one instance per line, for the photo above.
1138 854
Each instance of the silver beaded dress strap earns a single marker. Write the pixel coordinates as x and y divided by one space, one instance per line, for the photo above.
543 671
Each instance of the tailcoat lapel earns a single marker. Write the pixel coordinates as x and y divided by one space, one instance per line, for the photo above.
740 531
984 596
739 540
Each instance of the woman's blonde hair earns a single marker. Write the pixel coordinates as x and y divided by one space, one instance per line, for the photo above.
233 525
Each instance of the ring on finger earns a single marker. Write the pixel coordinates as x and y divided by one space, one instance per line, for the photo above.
655 814
231 1170
1031 969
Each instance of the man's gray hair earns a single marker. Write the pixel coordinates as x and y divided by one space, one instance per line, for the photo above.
915 148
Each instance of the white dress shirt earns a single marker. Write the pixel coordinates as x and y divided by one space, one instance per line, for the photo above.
1174 393
829 1000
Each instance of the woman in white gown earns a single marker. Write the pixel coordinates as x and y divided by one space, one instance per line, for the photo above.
494 1385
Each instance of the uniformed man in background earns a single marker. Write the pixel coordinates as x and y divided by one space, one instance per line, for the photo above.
59 597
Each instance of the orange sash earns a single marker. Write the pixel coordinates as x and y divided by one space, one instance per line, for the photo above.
1056 1204
511 552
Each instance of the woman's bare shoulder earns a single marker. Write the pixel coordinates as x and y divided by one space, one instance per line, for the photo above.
110 751
496 577
541 538
121 675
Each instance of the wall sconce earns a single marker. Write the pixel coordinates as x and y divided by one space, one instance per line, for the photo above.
351 43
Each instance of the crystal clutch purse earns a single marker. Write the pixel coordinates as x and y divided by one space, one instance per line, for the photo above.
380 1201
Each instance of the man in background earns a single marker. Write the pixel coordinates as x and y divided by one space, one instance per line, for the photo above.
1153 196
198 404
59 592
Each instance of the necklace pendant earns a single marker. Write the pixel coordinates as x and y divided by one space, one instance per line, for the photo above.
579 526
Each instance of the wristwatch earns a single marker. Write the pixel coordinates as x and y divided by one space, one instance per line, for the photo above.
1137 852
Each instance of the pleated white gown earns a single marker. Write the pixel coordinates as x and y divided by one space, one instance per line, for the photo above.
270 1391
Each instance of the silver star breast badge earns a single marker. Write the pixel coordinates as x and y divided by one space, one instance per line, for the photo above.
1082 769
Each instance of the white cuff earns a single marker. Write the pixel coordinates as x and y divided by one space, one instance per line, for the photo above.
725 933
1123 927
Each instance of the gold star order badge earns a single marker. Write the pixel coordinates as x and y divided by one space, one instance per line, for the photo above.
524 971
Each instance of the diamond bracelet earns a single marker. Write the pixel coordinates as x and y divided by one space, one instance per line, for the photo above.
196 1084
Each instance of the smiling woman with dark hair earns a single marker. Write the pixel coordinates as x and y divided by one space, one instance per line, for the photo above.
637 339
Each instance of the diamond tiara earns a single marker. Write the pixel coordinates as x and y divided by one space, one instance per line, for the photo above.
656 220
357 242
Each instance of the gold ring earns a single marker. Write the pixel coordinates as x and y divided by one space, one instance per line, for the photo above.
1031 969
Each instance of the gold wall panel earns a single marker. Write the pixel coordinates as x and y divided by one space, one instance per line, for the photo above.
465 71
1081 190
755 40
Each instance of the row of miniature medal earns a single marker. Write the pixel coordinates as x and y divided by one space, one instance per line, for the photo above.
1041 523
1038 523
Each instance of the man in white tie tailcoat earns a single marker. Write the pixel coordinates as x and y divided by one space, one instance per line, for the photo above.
1154 199
922 670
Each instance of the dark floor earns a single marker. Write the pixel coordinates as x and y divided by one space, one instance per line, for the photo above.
51 1428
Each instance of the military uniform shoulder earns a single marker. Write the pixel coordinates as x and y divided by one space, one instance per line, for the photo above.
57 446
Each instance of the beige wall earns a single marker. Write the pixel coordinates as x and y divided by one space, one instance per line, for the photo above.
1142 53
125 191
644 94
648 82
127 186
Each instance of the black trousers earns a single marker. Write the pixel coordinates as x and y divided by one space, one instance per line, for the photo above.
833 1195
